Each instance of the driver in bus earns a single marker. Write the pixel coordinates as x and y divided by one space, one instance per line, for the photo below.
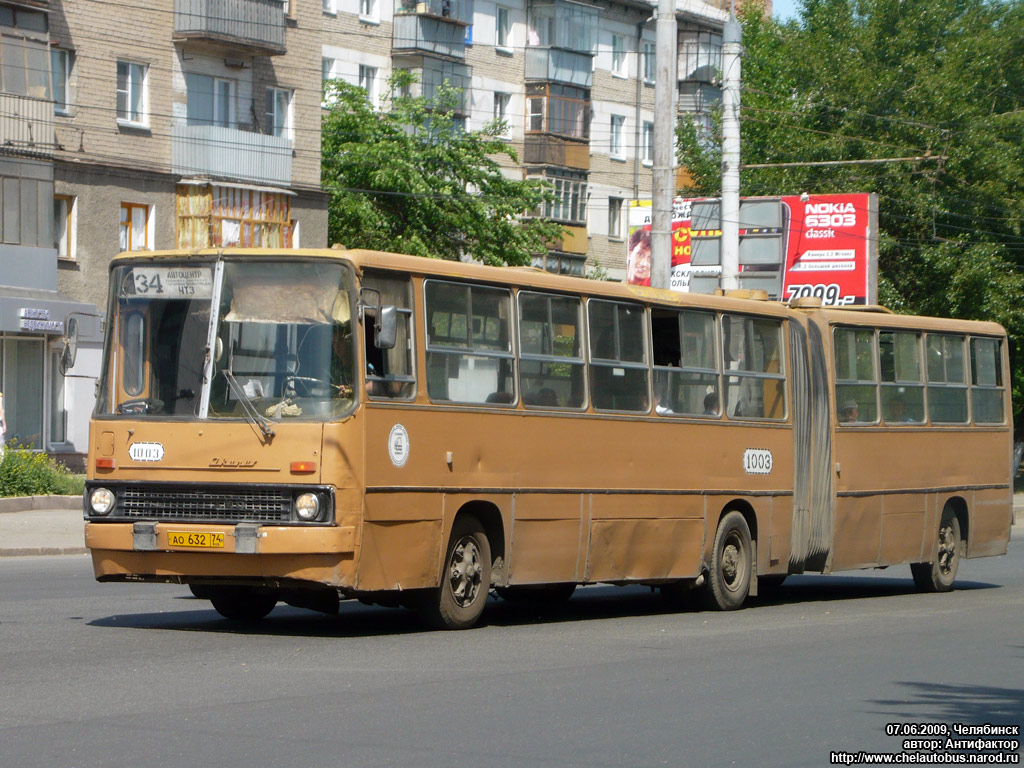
849 412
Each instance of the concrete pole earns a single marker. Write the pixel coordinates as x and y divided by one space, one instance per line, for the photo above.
732 47
663 170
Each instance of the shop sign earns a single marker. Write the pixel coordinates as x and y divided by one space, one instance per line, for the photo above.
34 319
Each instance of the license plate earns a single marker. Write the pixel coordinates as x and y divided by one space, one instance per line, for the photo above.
200 539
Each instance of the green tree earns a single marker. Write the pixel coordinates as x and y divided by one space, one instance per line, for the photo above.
871 79
407 178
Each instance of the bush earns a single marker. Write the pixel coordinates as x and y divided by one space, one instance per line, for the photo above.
24 472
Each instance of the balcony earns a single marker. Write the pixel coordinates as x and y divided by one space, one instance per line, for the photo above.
257 25
426 34
431 73
26 124
457 11
553 150
229 153
560 66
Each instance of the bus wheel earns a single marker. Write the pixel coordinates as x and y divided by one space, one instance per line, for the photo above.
538 594
731 563
242 603
939 575
465 581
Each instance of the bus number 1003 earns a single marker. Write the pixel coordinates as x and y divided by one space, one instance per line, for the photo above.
757 461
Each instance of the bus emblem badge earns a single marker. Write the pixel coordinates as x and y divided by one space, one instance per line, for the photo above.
398 445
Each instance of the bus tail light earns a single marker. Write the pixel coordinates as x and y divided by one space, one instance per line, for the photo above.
303 467
105 463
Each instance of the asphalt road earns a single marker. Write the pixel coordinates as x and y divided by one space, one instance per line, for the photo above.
143 675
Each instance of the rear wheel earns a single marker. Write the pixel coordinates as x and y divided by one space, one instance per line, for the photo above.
939 575
241 603
465 581
731 564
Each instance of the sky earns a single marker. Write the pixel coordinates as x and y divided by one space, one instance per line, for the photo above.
783 9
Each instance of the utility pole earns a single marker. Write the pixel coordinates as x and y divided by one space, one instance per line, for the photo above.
662 181
732 47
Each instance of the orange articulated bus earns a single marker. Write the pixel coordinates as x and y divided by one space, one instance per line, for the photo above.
313 425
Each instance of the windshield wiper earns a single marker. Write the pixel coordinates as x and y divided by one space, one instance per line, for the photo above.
248 408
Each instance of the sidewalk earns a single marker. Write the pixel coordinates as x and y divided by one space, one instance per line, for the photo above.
53 525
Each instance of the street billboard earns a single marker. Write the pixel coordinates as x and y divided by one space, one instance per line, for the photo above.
791 246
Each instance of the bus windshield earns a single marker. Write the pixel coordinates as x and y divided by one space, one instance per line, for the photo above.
282 342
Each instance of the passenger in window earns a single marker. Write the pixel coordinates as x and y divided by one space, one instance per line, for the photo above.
849 412
897 411
661 403
499 397
711 404
547 397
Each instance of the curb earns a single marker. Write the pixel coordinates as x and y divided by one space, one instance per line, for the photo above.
33 551
27 503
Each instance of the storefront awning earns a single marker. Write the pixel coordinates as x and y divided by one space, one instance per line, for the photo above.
25 310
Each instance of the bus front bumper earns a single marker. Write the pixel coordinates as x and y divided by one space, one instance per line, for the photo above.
240 539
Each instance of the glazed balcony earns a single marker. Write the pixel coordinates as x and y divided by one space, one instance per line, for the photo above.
254 25
230 153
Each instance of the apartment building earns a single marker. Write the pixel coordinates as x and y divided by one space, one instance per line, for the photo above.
573 80
129 125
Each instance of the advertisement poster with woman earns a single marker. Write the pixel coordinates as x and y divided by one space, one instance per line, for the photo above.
638 255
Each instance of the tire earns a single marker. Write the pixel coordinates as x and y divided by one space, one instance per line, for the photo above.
939 575
732 561
465 581
540 594
201 591
242 603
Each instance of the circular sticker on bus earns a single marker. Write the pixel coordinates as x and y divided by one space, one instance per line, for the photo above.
398 445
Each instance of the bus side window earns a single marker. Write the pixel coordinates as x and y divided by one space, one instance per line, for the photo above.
134 345
947 383
986 381
685 363
391 373
754 384
551 367
899 355
618 356
469 346
856 381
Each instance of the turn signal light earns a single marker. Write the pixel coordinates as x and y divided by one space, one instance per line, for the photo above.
303 467
105 463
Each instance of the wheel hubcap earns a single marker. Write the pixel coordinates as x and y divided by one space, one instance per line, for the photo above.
947 549
465 574
732 563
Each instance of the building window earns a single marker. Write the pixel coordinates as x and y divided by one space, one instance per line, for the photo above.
570 200
135 234
618 56
60 61
26 205
368 10
503 29
211 100
615 131
279 113
213 216
368 82
559 109
131 93
501 102
648 142
329 7
63 231
650 63
615 217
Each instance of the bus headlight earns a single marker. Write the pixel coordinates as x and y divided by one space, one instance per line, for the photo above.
307 507
101 500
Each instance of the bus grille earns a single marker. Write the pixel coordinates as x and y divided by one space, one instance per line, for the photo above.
235 504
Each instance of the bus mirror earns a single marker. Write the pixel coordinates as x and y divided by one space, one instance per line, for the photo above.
386 327
69 349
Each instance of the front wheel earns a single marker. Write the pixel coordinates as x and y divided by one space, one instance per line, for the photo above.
241 603
939 575
465 581
731 565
